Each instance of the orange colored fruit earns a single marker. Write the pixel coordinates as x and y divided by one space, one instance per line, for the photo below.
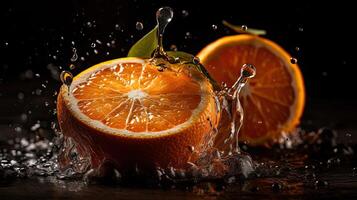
273 100
129 112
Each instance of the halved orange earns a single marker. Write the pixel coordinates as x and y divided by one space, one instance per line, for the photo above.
273 100
129 112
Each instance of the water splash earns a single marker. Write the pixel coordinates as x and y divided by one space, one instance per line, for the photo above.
211 159
163 18
66 78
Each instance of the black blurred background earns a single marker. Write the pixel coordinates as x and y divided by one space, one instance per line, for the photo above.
37 38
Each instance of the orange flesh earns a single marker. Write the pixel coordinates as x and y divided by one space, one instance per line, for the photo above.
137 97
269 95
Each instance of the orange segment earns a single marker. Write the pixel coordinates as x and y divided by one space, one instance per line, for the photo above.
273 100
129 112
137 97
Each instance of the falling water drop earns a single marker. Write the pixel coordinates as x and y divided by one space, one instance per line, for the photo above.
293 60
247 71
72 66
21 96
214 27
244 27
75 55
173 47
188 35
139 26
117 27
66 78
89 24
184 13
163 18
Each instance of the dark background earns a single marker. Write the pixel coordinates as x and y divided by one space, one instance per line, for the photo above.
37 37
37 33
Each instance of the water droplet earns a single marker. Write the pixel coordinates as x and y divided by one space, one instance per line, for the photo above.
196 60
297 48
184 13
28 74
173 47
188 35
66 78
38 92
293 60
72 66
89 24
35 127
276 187
23 117
301 29
139 26
37 75
75 55
248 71
320 183
244 27
98 41
18 129
93 45
214 27
163 17
20 95
95 51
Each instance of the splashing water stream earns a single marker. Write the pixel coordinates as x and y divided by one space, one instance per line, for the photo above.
212 160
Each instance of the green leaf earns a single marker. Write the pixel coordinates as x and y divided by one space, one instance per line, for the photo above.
145 46
239 29
189 59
